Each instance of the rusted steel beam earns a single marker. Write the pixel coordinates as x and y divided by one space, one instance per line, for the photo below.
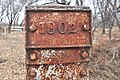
58 42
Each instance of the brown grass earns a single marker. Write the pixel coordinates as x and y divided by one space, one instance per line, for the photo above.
12 57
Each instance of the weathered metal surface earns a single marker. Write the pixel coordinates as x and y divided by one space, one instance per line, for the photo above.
57 72
57 56
58 41
58 29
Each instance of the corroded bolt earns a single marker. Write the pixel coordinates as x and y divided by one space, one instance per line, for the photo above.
85 27
83 72
32 28
32 73
33 56
84 55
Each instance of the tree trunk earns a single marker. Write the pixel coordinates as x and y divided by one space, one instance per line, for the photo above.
81 2
104 30
110 33
9 27
119 29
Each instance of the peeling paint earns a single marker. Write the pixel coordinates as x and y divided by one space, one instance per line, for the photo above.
58 40
58 72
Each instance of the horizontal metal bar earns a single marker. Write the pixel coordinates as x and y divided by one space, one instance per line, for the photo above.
80 61
62 46
57 8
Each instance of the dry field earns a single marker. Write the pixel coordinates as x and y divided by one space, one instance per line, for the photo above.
12 57
104 59
105 56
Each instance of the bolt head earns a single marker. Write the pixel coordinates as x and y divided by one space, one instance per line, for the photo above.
32 28
33 56
86 27
83 72
84 55
32 73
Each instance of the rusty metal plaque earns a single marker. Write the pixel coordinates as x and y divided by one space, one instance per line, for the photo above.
57 56
58 29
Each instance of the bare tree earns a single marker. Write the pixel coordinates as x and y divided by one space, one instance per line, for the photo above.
65 2
105 12
10 11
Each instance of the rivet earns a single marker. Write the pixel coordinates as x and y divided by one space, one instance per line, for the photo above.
83 72
86 27
84 55
32 28
33 56
33 73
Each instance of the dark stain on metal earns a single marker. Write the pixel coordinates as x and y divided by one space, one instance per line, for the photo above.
58 42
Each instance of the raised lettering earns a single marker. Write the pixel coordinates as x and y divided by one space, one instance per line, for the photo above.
51 28
72 29
42 28
62 28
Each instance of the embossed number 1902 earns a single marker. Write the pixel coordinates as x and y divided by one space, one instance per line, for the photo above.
51 28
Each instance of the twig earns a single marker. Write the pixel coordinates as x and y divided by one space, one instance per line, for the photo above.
112 57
